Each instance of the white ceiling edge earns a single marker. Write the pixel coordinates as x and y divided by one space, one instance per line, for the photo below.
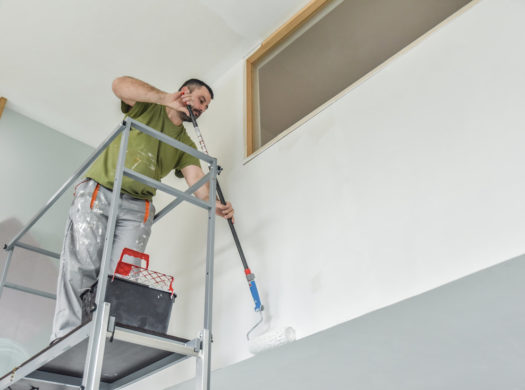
61 56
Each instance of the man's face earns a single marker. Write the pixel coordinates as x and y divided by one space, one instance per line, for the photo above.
200 100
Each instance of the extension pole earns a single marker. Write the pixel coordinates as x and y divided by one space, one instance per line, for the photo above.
250 277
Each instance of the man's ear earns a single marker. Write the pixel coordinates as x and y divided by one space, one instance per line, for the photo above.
185 89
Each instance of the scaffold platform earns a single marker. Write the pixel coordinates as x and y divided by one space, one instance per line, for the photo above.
129 354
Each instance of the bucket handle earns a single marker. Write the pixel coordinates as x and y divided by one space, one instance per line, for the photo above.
124 268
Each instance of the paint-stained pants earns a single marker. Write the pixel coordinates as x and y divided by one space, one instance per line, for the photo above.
84 243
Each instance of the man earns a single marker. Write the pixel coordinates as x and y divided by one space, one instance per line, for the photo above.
86 228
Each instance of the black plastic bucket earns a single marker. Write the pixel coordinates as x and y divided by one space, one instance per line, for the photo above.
132 304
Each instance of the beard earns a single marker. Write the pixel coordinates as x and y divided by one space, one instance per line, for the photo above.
187 118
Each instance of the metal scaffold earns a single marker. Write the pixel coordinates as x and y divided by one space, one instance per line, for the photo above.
103 354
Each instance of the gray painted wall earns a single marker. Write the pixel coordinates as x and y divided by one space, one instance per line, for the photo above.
468 334
35 161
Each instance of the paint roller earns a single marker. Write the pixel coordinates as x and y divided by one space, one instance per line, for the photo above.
270 339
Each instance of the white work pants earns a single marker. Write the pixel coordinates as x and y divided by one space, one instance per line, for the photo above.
84 243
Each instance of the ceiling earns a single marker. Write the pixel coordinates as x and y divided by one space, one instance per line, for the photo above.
59 57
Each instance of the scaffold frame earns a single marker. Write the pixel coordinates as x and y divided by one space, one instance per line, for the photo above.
102 327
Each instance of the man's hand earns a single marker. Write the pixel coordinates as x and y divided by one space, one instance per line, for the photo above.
131 90
177 101
193 174
224 210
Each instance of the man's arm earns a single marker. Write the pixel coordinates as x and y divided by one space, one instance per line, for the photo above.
131 90
193 174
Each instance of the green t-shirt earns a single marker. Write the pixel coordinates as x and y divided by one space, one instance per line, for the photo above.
145 154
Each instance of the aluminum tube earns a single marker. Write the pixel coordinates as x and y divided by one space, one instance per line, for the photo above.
46 356
38 250
30 290
97 339
152 341
93 366
204 360
179 200
66 185
170 141
55 380
163 187
210 249
6 268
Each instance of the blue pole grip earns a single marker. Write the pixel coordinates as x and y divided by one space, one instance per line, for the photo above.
255 295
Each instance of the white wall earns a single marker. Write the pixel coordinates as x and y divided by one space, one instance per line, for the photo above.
410 180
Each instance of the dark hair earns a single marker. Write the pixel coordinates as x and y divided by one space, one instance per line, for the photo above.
192 83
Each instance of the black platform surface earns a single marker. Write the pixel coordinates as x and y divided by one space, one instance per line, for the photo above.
121 359
28 384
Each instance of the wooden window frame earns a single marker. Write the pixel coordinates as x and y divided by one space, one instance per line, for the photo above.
283 32
3 102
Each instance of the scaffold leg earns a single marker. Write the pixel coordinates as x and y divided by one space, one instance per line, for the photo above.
95 355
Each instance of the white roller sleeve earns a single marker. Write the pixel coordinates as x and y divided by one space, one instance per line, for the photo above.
271 339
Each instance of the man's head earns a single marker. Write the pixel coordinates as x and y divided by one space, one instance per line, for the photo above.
201 96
